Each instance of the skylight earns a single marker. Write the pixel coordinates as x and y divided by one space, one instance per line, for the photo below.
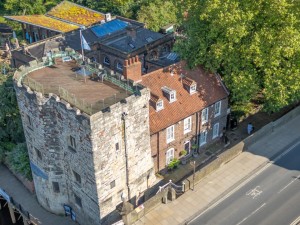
149 39
131 45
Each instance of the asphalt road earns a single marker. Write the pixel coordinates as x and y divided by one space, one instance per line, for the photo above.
270 198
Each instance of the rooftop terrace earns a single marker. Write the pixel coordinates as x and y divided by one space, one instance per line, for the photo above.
80 91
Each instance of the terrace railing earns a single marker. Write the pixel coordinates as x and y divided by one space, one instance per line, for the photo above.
116 79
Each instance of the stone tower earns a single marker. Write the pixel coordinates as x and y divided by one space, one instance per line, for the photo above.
88 141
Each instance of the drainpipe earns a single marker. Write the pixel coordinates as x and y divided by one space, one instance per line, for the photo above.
158 151
126 154
197 128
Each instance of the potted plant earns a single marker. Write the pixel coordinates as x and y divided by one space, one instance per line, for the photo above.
173 164
183 153
194 148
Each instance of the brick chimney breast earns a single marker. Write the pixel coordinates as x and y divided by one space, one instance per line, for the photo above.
133 69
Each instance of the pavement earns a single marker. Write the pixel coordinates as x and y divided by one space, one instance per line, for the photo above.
219 183
269 198
20 194
206 191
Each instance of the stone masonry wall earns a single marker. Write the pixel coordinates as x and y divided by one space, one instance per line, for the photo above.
111 156
52 123
119 136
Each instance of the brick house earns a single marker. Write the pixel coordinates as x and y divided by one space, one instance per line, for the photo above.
188 110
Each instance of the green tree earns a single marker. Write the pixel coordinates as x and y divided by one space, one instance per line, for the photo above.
24 7
254 45
158 14
19 161
12 141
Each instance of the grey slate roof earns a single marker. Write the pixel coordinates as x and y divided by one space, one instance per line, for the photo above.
127 44
72 39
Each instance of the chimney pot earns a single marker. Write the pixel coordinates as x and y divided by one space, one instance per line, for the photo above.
136 58
130 61
126 62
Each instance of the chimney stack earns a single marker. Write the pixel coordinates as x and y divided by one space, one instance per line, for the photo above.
131 32
132 69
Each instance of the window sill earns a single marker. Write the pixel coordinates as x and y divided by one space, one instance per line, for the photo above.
169 141
186 131
204 122
217 115
203 144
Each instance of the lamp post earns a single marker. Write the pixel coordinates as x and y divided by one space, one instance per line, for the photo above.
194 171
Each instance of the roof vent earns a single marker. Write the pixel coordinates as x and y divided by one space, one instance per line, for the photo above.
169 93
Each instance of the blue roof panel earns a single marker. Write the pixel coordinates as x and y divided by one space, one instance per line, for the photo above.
109 27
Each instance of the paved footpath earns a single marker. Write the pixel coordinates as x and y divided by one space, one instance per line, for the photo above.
16 189
220 182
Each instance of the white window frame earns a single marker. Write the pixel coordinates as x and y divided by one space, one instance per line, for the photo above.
187 125
173 96
170 155
106 60
203 134
193 88
170 133
119 66
204 116
159 105
218 108
216 130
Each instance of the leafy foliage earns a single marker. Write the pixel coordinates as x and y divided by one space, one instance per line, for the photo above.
12 141
157 14
173 164
24 7
254 45
19 161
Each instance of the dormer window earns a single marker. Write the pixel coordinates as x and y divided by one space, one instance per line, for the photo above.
159 105
169 93
193 88
189 84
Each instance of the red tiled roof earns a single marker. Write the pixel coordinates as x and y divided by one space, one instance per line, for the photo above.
209 91
188 81
154 97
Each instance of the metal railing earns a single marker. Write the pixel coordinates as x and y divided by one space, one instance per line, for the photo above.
95 68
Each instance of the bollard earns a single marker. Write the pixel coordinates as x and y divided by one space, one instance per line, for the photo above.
183 187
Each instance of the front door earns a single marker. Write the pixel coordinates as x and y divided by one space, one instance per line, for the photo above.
187 147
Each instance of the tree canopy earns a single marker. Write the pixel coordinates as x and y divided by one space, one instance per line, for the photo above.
158 14
254 45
